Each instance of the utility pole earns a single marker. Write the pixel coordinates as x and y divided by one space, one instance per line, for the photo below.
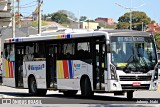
13 19
19 15
39 17
131 15
142 27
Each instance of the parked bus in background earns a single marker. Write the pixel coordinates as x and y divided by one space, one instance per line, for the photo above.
97 61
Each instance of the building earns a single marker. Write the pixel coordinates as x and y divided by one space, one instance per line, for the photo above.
108 21
26 21
153 27
84 25
18 17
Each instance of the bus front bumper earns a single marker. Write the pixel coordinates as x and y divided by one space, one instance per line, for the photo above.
114 85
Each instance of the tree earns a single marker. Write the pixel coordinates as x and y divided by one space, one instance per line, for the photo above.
157 39
60 18
63 16
82 18
68 13
153 21
137 19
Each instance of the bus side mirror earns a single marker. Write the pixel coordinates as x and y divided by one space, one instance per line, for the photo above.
108 48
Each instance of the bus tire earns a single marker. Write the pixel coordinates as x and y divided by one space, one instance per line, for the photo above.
70 92
33 88
129 95
86 90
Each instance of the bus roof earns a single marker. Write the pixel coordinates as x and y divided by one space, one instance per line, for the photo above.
126 33
55 36
77 35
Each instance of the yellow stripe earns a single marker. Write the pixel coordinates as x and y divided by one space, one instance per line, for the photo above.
158 88
6 68
61 69
59 36
58 75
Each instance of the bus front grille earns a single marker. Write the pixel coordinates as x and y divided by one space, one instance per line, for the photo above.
142 86
135 78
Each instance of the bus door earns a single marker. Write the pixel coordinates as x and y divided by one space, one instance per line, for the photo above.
51 65
19 66
98 65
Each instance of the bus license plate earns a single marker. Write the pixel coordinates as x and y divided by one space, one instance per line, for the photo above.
136 83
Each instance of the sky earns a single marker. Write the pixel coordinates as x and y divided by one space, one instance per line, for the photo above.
94 8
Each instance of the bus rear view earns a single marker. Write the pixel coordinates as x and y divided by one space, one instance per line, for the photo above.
133 62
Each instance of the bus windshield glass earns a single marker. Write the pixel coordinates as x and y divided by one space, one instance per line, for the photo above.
133 54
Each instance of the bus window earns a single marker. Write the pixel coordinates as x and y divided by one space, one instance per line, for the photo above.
6 52
12 53
39 50
29 51
68 49
83 50
9 52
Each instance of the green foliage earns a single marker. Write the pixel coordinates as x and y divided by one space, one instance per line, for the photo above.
157 36
153 21
104 25
137 19
60 18
35 23
157 39
68 13
82 18
90 20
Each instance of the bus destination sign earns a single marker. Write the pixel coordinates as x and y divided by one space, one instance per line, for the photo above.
130 39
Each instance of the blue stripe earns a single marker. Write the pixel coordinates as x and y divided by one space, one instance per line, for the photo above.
70 68
68 36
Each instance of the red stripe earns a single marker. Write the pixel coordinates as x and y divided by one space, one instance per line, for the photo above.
10 40
11 69
65 69
9 65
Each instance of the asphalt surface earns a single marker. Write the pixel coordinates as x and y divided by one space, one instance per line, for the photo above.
56 99
141 98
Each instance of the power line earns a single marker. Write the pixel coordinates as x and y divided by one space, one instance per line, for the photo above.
26 6
28 3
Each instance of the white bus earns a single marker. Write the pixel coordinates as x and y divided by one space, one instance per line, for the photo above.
98 61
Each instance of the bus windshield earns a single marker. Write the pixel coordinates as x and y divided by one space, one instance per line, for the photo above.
133 54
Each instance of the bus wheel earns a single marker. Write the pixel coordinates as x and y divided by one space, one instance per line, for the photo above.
86 90
33 88
129 95
70 92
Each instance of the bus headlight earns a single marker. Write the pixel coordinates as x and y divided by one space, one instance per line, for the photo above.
113 72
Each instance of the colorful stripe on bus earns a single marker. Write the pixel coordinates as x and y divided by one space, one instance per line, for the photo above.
9 68
62 36
65 69
59 36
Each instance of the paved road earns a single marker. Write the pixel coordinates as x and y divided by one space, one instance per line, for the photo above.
54 97
151 98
